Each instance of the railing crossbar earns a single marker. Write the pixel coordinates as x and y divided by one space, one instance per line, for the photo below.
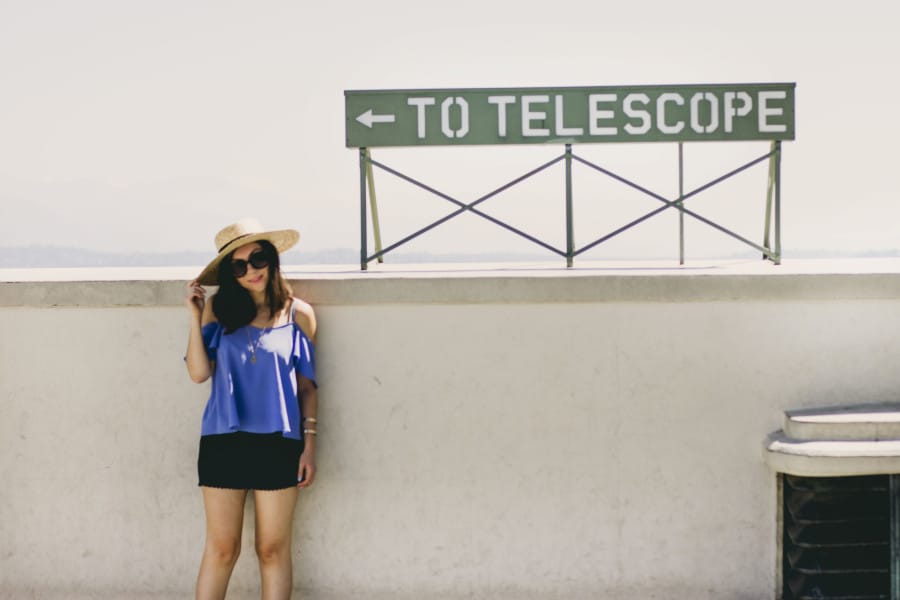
463 207
675 203
569 252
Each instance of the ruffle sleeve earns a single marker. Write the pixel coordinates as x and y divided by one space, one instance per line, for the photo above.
212 336
304 355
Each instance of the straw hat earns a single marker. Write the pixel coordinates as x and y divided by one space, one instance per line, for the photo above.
239 234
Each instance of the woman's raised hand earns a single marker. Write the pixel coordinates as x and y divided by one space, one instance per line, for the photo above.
195 299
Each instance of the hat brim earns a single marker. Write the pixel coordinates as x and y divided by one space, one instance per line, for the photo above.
282 239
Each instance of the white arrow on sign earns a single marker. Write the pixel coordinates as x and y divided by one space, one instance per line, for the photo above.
368 118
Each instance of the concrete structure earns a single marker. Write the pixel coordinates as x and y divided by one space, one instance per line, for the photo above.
838 442
508 433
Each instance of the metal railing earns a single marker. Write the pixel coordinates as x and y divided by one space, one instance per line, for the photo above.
768 250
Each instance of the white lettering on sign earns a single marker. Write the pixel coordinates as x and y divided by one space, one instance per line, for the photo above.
632 112
561 129
731 112
501 102
541 115
529 115
464 117
595 114
661 102
696 99
765 112
420 104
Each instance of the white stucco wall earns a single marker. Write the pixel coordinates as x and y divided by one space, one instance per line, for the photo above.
509 435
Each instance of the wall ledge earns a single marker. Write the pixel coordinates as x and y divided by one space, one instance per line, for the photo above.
481 284
837 441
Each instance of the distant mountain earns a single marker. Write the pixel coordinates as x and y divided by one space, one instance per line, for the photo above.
57 256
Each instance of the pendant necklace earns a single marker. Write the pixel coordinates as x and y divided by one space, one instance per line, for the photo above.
254 346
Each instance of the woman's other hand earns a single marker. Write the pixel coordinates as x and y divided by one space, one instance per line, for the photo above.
307 470
195 299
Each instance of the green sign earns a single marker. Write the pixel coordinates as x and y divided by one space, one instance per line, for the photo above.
657 113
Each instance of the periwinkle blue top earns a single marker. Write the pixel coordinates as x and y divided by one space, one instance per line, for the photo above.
261 396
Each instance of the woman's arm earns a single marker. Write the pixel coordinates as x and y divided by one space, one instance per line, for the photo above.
309 406
308 396
198 364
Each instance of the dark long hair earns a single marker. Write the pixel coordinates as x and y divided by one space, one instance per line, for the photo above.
233 305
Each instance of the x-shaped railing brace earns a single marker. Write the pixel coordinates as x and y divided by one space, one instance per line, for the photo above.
774 180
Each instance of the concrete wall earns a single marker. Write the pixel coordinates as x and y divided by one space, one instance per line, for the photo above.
497 435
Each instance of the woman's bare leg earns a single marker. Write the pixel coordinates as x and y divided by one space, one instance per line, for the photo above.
224 521
274 522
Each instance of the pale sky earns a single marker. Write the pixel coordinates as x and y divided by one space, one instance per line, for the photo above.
128 126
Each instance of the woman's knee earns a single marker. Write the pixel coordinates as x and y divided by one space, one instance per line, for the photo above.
224 550
272 550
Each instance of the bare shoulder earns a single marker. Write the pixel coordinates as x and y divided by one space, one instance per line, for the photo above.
208 315
305 317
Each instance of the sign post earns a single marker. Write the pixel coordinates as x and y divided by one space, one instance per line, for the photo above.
576 115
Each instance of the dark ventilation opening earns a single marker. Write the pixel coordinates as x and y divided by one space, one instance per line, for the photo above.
837 538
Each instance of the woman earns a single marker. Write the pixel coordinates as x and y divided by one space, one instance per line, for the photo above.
255 340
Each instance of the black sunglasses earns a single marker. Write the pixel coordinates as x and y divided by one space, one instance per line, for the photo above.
258 259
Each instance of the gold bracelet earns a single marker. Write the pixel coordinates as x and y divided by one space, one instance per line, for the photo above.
311 420
311 431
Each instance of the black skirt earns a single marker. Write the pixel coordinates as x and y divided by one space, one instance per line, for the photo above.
249 461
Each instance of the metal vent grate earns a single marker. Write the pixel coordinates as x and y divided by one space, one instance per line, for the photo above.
837 538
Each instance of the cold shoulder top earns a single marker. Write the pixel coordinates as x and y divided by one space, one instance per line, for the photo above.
254 383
